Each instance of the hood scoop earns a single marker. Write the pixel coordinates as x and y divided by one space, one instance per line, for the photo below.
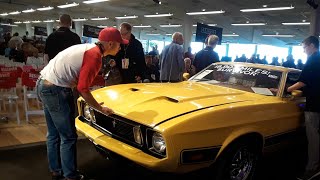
134 89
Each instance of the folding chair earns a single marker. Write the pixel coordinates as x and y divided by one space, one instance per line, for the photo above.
29 80
8 81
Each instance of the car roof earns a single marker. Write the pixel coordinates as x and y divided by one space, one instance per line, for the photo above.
262 66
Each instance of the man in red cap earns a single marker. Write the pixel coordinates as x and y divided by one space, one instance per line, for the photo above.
76 66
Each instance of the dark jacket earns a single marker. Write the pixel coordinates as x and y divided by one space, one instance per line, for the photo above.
60 40
137 65
204 58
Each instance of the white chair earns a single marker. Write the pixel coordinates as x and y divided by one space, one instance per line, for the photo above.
29 92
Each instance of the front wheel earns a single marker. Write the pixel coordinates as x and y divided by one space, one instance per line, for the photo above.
238 162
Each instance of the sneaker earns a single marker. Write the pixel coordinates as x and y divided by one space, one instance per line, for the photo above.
309 175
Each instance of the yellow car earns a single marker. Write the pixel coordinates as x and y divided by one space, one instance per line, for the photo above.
223 118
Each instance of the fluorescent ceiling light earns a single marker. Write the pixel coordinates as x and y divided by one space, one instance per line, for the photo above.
28 10
158 15
170 25
4 14
150 34
26 22
79 19
15 12
68 5
194 25
126 17
142 26
298 23
168 34
58 20
36 21
5 24
94 1
102 26
47 21
267 9
249 24
99 18
45 8
205 12
17 22
230 35
278 35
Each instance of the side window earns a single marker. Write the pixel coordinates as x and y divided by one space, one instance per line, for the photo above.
292 78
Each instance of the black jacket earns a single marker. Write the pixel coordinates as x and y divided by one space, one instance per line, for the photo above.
137 65
204 58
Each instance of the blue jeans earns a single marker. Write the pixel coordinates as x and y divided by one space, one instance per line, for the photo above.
312 120
61 137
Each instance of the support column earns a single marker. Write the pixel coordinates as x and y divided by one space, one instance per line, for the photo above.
79 30
187 32
29 29
315 22
290 50
227 49
118 23
49 28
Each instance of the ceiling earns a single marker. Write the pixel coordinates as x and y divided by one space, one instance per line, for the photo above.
113 8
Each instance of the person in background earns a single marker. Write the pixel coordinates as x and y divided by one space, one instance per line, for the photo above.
310 80
60 39
275 61
171 61
130 59
264 60
300 65
76 66
154 51
207 56
290 62
152 72
189 68
189 54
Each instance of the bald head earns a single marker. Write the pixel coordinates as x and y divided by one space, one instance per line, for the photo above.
65 20
177 37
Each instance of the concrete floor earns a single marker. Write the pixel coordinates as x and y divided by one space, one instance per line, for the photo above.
31 163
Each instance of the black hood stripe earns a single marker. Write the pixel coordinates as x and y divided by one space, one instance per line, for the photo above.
195 111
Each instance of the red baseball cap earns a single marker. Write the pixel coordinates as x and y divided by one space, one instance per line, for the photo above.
111 34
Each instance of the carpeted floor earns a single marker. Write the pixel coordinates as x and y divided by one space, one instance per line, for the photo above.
31 163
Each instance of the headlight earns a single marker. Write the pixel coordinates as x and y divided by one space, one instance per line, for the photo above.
158 143
87 113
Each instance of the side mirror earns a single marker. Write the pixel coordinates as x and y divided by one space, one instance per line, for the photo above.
186 76
296 93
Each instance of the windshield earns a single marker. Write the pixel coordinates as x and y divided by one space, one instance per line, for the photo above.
242 77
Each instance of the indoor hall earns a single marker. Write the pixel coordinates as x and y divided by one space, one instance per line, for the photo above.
236 111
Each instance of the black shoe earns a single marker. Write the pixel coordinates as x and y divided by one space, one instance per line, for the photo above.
310 175
80 177
59 177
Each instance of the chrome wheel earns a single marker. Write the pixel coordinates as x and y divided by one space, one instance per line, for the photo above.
241 164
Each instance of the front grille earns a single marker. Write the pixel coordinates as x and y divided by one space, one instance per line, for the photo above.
115 126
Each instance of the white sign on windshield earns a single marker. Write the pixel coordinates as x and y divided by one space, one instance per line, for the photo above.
203 74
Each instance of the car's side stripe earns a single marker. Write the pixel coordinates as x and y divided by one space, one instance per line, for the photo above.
286 136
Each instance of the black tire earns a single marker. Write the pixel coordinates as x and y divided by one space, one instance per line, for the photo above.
238 161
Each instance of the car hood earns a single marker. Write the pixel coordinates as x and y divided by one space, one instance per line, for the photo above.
152 103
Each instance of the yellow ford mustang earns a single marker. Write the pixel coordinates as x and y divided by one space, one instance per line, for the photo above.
223 118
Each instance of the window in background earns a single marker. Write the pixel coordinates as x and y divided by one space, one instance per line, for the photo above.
221 50
272 51
239 49
297 53
196 47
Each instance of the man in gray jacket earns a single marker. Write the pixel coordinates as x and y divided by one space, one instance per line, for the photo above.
171 63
